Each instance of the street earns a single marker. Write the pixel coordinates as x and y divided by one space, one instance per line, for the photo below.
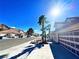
8 43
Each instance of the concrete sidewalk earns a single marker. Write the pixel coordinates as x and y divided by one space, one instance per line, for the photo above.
41 53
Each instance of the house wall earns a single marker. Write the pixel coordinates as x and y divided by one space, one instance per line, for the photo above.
69 37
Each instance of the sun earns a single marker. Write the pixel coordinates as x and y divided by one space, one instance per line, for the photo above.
55 11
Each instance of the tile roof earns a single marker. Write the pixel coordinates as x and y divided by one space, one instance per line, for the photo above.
14 31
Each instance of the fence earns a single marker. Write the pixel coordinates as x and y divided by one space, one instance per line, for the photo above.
70 40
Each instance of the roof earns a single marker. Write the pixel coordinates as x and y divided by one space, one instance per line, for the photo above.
3 25
72 19
14 31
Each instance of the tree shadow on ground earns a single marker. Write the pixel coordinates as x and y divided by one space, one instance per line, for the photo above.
3 56
29 50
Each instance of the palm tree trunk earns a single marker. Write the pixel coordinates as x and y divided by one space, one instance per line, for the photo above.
43 33
49 33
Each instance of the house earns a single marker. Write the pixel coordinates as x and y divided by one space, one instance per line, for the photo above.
67 34
22 33
10 33
4 27
7 32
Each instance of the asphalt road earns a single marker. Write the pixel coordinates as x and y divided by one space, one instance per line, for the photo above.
5 44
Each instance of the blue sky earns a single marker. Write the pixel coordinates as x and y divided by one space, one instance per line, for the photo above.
24 14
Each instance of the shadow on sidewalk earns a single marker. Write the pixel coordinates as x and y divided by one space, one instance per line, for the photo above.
28 50
59 52
3 56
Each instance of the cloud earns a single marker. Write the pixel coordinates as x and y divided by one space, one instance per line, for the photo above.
37 31
13 27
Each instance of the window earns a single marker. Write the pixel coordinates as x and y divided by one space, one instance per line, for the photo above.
72 44
76 33
76 39
68 43
77 46
73 50
71 39
77 52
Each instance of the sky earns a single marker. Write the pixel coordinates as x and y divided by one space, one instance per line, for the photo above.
24 14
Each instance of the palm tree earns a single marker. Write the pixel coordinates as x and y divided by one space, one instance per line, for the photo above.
41 22
49 26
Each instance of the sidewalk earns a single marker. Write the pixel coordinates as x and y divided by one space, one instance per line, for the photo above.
42 53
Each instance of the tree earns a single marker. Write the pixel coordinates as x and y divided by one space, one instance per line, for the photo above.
48 28
30 32
41 22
